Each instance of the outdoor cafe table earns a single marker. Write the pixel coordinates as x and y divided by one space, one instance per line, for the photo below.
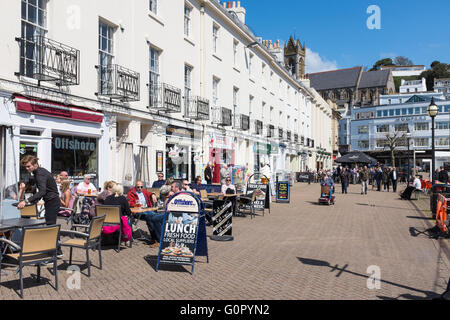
18 223
137 211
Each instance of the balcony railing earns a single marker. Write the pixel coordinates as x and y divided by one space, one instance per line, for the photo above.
289 136
47 60
222 116
296 138
118 83
164 97
241 122
197 108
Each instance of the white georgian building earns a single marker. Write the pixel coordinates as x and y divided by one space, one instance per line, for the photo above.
123 91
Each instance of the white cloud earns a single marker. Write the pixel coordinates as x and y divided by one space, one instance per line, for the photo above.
315 63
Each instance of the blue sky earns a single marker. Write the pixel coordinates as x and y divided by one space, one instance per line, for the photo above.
337 33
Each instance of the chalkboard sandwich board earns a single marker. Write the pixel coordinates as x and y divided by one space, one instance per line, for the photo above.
283 192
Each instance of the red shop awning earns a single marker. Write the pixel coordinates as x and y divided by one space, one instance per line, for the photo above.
58 110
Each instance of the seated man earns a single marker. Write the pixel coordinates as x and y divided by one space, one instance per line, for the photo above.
156 219
197 186
158 184
138 195
188 189
417 185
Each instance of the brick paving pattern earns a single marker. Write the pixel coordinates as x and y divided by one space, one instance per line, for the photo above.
299 251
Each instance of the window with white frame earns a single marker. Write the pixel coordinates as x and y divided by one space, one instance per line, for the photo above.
263 74
250 65
34 21
187 20
443 142
363 144
187 82
153 6
363 129
235 52
263 110
215 91
421 126
106 55
383 128
421 142
154 76
215 38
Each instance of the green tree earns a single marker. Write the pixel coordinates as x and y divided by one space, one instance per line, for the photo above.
403 61
438 70
382 62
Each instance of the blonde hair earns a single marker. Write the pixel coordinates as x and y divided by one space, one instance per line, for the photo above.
109 184
65 185
117 190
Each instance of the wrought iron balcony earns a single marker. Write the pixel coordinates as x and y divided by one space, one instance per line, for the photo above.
222 116
164 97
296 138
270 131
118 83
197 108
302 140
47 60
241 122
258 127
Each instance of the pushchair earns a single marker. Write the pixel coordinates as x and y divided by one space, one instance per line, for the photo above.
327 196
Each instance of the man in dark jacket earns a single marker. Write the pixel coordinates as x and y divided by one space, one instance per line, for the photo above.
394 178
47 190
208 174
158 184
443 176
364 177
345 178
378 178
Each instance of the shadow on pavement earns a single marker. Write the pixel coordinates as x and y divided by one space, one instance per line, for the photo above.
152 260
325 264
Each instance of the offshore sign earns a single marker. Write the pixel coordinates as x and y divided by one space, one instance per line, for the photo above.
183 203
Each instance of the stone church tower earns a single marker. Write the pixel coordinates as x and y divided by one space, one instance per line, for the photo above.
295 58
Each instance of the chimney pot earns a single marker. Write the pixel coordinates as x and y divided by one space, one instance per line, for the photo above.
238 4
229 5
234 4
224 4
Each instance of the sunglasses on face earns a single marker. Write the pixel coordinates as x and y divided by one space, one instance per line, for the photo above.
139 187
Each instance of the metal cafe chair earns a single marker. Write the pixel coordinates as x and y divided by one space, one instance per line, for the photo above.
90 240
112 218
247 203
30 212
39 245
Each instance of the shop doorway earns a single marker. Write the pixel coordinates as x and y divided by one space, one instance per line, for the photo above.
27 149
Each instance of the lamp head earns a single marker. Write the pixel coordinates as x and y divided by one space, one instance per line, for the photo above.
433 109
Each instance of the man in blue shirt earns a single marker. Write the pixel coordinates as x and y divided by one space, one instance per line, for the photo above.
158 184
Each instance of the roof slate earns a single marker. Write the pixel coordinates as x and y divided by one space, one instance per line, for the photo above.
374 79
343 78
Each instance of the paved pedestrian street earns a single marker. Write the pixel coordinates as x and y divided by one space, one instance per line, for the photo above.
298 251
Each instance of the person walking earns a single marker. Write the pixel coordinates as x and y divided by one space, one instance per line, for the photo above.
47 190
385 177
208 174
345 178
378 178
364 177
224 174
394 179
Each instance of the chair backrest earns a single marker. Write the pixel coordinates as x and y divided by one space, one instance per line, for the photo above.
254 195
40 239
112 213
95 230
204 194
220 197
29 212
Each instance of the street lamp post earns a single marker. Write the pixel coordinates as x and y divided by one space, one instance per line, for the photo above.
408 137
433 111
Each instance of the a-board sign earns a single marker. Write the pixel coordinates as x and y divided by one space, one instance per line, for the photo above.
179 237
222 218
304 177
262 195
283 192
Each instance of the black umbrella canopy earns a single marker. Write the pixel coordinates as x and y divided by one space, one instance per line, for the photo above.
357 157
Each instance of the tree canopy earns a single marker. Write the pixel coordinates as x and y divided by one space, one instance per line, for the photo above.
438 70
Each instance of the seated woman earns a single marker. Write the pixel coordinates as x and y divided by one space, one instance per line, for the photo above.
165 189
66 198
228 188
84 187
327 181
118 199
107 191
